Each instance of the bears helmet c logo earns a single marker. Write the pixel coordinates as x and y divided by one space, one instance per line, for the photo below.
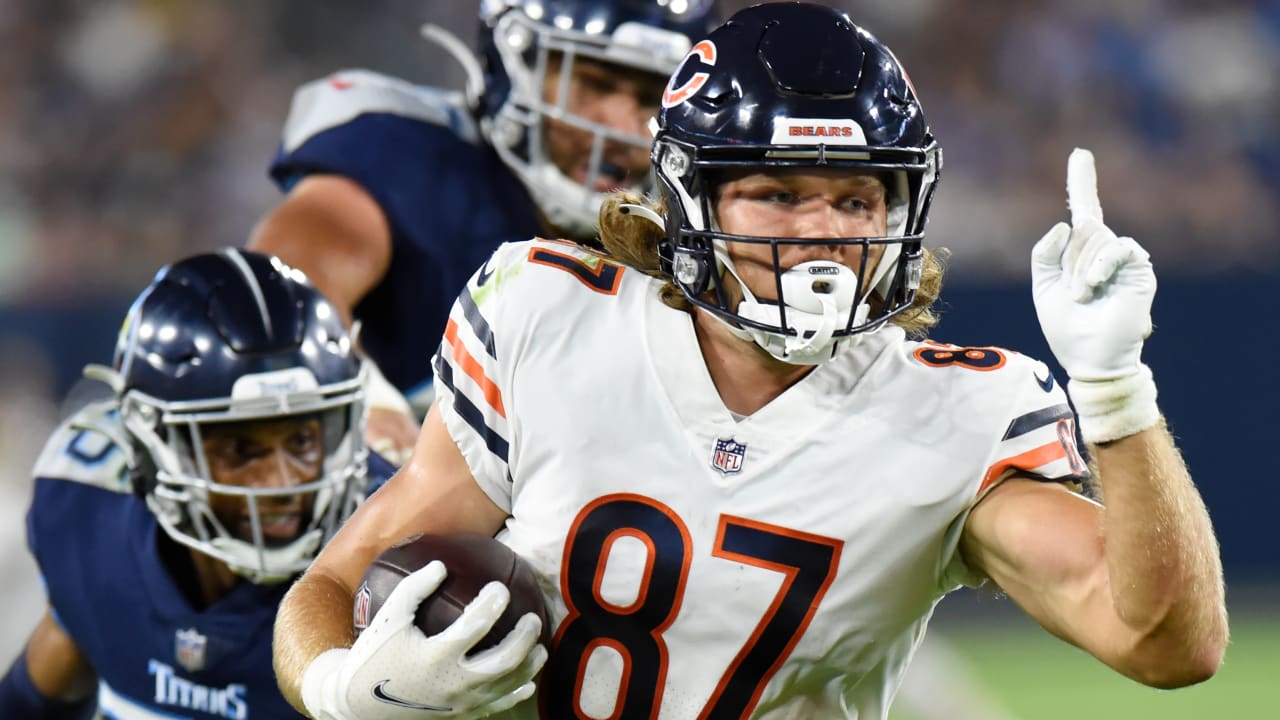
672 95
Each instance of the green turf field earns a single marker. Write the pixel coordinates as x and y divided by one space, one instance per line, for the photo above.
1040 678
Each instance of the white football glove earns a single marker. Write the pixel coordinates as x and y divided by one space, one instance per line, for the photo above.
395 672
1093 294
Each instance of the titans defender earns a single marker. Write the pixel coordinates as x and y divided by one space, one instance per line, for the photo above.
167 520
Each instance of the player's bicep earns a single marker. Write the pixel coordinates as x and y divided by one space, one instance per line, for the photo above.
1042 544
333 230
450 500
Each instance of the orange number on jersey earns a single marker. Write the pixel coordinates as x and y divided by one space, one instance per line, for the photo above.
983 359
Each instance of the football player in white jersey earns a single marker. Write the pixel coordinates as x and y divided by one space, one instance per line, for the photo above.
742 477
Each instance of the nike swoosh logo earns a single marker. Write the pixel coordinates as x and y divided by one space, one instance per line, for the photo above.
1047 383
485 274
383 696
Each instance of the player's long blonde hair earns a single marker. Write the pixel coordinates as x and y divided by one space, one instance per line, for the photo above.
633 240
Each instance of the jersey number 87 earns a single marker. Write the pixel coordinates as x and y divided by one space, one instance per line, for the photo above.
807 561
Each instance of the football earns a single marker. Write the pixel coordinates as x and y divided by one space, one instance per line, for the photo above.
472 561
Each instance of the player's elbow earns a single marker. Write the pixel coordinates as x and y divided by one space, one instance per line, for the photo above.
1173 675
1188 665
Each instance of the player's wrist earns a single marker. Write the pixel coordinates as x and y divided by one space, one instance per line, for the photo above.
321 691
1115 408
20 698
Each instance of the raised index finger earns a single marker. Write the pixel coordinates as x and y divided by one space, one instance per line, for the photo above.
1082 187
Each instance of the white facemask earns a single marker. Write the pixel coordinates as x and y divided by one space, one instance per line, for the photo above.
248 561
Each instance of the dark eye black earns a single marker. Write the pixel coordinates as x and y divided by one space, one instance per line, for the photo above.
303 441
597 84
233 452
649 95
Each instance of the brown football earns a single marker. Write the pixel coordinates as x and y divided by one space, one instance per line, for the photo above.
472 561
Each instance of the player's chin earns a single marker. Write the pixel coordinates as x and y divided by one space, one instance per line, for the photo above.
277 528
607 178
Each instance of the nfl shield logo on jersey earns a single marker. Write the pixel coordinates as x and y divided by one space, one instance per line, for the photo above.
728 455
360 611
190 647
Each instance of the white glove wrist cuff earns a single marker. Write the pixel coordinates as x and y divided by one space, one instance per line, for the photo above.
1112 409
319 684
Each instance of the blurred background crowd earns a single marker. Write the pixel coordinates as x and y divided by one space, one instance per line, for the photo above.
133 132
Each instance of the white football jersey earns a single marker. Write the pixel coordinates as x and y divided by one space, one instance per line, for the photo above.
697 566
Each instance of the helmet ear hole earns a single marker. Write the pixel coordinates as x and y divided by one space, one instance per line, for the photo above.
691 271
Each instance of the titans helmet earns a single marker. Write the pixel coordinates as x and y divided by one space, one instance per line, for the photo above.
794 85
519 37
230 337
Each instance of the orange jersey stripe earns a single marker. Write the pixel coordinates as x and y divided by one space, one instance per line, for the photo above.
469 365
1033 458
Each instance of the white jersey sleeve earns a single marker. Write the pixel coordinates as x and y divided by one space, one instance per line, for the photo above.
489 327
1025 413
343 96
470 380
1040 441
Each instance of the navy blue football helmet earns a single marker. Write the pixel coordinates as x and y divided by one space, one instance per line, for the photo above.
517 39
788 85
228 337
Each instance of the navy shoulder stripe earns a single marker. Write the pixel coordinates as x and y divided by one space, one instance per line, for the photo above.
468 411
478 324
1026 423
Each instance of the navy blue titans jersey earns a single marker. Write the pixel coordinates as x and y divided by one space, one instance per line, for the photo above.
446 195
156 656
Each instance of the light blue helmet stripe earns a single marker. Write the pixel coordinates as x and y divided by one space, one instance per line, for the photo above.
235 258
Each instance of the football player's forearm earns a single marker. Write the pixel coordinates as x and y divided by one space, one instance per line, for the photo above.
21 698
1162 557
314 616
51 678
330 228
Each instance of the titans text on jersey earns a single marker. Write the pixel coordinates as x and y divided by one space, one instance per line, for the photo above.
96 545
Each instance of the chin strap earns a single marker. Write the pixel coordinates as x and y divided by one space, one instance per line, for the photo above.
268 566
819 296
572 208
